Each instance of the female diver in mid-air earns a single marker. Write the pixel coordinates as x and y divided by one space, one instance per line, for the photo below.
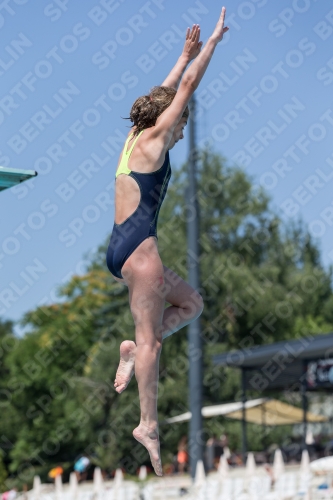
132 257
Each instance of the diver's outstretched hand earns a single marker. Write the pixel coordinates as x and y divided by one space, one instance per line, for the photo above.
192 45
220 29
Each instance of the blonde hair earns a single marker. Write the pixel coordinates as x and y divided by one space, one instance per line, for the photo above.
147 108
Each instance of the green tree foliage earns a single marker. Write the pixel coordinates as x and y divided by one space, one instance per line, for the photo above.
262 281
8 416
3 475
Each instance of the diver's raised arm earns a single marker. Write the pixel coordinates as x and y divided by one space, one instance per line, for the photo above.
168 120
195 72
190 51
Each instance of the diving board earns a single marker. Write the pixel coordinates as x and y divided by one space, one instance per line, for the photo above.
9 177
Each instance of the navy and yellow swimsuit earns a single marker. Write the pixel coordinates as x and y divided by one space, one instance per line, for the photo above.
142 223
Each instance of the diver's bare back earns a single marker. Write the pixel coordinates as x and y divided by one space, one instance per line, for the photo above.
147 156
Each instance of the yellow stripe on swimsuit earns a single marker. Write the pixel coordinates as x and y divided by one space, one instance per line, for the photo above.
123 168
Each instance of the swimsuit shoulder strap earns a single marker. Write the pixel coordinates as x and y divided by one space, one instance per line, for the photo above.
123 168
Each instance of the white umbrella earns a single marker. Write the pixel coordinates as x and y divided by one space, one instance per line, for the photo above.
278 464
276 412
223 469
200 475
73 486
58 486
216 410
305 475
36 487
98 481
250 469
322 465
305 463
143 473
309 439
118 478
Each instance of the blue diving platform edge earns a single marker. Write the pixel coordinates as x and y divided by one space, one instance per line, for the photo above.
10 177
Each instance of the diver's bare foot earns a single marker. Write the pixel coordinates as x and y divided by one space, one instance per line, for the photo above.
126 365
148 437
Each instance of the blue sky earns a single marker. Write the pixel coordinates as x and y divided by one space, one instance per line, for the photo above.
69 72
